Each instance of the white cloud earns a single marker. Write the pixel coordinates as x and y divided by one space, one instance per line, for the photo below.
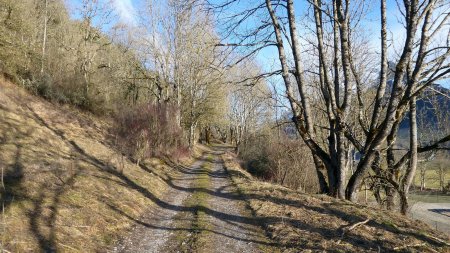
126 11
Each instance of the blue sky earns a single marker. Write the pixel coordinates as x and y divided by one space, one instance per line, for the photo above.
127 13
126 10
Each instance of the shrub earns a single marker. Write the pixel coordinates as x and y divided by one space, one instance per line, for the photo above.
43 86
260 167
148 130
286 161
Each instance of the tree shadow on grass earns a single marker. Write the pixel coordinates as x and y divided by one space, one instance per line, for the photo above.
13 173
11 189
38 219
48 242
43 213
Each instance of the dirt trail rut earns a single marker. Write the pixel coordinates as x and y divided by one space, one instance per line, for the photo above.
152 231
234 228
227 225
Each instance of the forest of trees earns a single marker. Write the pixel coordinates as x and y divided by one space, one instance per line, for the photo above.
325 117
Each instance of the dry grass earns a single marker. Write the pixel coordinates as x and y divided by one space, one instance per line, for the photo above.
64 180
301 222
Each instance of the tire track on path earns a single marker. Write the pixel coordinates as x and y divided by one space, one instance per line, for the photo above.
243 234
218 221
152 231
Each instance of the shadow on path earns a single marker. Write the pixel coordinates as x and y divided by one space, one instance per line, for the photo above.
237 220
445 212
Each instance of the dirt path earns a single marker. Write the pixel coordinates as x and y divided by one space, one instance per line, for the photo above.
152 231
193 217
233 228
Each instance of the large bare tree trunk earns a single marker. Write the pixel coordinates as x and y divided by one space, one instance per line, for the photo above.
392 169
323 186
305 131
374 143
336 146
411 170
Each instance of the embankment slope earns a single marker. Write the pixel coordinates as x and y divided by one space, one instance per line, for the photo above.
65 186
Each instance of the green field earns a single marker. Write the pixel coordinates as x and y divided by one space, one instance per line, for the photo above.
432 173
429 198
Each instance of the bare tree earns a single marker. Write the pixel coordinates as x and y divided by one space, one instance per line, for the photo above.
423 60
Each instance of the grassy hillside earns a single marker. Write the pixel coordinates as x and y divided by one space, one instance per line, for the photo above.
319 223
67 188
64 185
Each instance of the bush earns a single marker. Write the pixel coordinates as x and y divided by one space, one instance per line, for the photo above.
148 130
286 162
43 86
260 166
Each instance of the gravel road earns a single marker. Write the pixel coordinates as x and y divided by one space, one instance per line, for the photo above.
437 215
231 223
152 231
230 227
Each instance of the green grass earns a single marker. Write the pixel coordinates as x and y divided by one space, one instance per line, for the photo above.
432 172
194 239
199 200
429 198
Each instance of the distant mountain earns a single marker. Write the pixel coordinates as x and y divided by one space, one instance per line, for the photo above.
434 101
